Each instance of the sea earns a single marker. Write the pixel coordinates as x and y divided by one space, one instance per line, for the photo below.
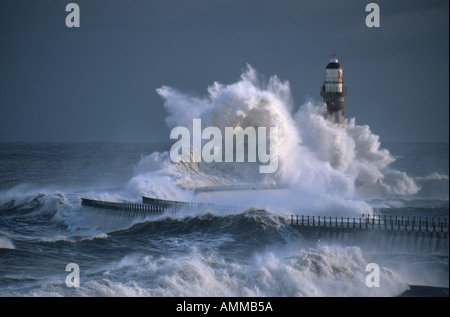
249 252
238 243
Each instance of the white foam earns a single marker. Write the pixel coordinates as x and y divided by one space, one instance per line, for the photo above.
6 243
313 272
330 167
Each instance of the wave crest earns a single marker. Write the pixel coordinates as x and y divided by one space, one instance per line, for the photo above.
321 160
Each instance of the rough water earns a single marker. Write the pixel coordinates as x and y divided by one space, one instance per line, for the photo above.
332 170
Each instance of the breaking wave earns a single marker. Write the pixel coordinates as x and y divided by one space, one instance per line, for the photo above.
329 167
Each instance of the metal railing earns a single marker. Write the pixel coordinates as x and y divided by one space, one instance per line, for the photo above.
172 204
154 206
382 222
343 90
385 222
135 207
240 187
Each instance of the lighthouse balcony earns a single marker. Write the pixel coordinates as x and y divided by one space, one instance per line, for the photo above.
339 89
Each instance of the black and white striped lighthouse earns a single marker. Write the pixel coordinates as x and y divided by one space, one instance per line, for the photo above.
333 90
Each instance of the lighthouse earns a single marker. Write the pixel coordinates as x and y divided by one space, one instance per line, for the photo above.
333 90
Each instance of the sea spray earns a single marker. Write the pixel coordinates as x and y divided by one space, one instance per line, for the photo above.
312 272
329 167
194 252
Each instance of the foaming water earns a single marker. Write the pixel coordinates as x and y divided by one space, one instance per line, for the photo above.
330 167
207 253
6 243
252 250
313 272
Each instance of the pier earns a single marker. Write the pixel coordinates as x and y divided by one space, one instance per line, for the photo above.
154 206
364 229
424 235
223 188
177 205
123 207
374 222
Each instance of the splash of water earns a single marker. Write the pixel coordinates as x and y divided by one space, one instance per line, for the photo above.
321 272
328 166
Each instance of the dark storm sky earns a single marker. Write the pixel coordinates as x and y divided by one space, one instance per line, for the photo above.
97 82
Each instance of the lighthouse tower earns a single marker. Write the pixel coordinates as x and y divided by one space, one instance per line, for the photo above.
333 90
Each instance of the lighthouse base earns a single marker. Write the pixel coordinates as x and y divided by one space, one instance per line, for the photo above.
335 116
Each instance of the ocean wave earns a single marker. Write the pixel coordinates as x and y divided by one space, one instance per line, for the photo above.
18 200
310 272
331 168
6 242
434 176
